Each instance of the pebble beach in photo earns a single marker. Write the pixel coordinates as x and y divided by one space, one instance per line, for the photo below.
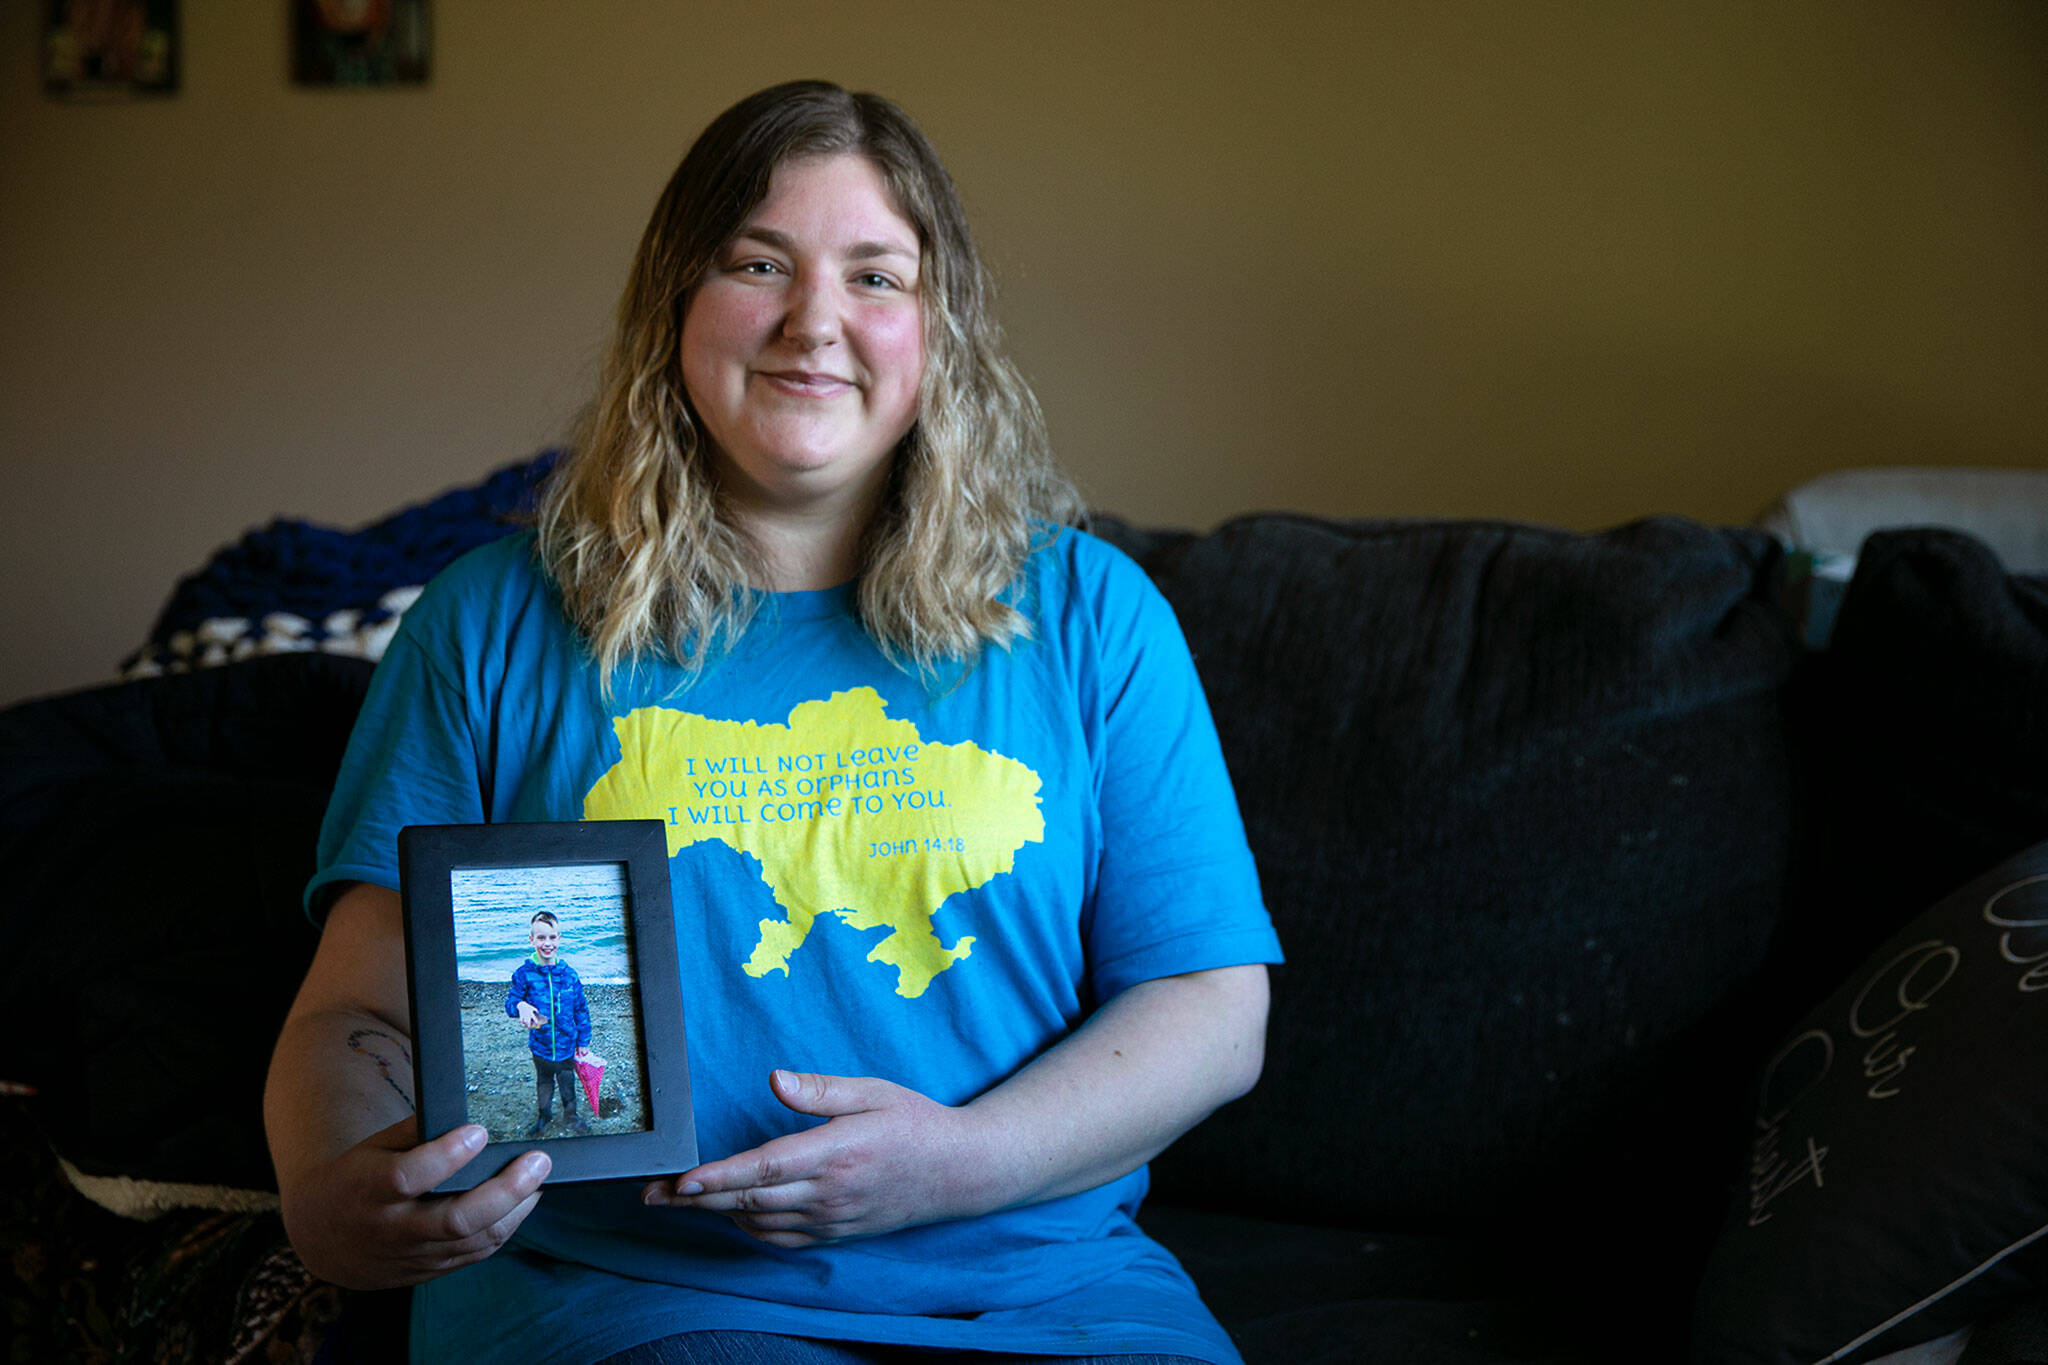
498 1070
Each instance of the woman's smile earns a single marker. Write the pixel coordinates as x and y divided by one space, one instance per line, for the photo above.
807 384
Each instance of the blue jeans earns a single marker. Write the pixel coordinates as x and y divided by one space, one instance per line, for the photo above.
767 1348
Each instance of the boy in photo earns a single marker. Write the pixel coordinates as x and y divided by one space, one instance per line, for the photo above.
547 999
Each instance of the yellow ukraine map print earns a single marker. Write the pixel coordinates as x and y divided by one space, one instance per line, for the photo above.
848 813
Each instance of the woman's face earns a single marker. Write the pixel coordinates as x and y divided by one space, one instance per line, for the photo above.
803 346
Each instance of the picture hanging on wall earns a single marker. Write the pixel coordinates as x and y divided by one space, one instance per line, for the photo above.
360 43
110 49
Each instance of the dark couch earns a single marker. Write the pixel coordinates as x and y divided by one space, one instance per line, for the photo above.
1562 834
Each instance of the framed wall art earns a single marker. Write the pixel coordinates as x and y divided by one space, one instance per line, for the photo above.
360 43
110 49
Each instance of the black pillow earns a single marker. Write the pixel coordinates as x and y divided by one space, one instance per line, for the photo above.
1897 1186
154 840
1933 695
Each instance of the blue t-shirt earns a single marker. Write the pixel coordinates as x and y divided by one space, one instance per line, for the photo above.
873 875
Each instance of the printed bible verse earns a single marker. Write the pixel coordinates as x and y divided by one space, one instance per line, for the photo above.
844 811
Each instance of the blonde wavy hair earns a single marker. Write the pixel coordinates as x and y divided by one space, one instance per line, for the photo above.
633 527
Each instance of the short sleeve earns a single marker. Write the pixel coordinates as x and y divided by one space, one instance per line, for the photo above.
412 760
1176 887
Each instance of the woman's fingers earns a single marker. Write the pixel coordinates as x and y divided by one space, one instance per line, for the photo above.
810 1092
415 1170
478 1210
776 1198
796 1194
781 1161
488 1239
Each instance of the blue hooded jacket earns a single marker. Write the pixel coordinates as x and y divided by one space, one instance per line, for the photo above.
557 992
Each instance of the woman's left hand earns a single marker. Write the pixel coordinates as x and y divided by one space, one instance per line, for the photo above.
887 1158
1105 1099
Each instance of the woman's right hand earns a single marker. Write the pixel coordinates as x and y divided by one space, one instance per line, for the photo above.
365 1220
355 1180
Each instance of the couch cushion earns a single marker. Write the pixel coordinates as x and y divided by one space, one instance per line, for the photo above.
1303 1295
154 838
1520 802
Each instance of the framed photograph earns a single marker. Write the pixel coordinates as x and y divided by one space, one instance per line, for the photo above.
360 43
541 966
110 49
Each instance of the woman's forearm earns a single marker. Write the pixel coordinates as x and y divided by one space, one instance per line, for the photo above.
1146 1067
336 1077
342 1068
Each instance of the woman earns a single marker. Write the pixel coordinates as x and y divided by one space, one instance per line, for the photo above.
939 1027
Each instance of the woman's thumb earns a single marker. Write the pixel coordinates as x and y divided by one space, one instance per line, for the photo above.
827 1096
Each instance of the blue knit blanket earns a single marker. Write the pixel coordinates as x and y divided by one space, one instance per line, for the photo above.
294 585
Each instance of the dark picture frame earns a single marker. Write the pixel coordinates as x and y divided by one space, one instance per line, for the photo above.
110 50
524 867
361 46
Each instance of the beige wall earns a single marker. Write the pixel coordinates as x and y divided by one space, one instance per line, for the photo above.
1566 262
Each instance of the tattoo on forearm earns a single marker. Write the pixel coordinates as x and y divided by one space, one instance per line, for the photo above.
378 1046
